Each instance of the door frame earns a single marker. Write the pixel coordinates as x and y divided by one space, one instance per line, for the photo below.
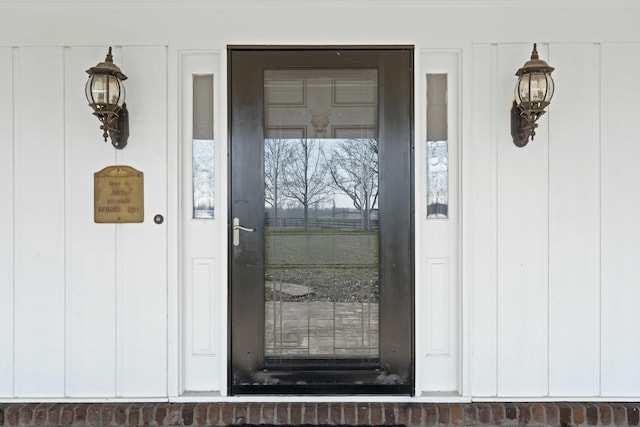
395 373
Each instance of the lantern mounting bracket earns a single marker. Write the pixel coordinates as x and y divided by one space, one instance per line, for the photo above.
523 123
519 135
123 127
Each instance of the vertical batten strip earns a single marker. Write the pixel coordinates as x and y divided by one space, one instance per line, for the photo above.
169 206
465 97
544 256
597 255
119 156
493 209
119 299
174 249
16 190
68 302
7 221
119 258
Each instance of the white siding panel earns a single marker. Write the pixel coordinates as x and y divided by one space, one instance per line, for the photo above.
522 231
482 225
620 225
91 247
574 233
6 219
142 256
39 223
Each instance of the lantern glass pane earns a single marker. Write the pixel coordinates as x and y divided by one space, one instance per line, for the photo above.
550 87
522 89
123 95
99 89
87 90
114 91
538 87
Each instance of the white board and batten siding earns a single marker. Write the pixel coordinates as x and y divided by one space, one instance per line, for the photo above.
553 230
529 291
620 228
83 305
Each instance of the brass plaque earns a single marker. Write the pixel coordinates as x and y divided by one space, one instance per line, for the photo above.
118 195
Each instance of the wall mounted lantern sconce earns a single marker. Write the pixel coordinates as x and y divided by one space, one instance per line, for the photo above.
534 91
105 93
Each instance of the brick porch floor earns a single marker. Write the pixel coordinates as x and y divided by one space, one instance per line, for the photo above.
321 328
286 413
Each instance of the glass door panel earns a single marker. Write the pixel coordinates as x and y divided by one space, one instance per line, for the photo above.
321 217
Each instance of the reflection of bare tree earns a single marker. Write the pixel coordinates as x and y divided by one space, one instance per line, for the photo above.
437 176
305 175
353 167
276 155
203 184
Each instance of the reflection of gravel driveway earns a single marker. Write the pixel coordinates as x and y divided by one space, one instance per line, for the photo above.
338 266
325 284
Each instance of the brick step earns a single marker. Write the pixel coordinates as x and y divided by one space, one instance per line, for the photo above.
327 414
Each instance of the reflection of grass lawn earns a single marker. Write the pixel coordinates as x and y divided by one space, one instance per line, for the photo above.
337 266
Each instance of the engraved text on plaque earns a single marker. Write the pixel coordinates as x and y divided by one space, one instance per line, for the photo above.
118 194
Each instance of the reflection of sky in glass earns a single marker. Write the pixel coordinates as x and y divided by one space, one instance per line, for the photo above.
203 179
437 179
352 163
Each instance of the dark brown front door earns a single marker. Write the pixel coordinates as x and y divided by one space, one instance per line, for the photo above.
321 220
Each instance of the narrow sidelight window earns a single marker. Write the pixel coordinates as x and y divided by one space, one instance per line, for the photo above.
437 147
202 147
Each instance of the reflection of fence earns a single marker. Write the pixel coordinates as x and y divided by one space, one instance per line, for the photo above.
342 223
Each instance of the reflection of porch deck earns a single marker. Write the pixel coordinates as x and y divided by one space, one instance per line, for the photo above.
319 328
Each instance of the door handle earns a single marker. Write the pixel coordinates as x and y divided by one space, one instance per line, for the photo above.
236 231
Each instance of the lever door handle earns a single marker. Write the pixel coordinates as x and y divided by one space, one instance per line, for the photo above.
236 231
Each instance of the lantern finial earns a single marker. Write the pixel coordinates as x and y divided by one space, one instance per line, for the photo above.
109 57
534 53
